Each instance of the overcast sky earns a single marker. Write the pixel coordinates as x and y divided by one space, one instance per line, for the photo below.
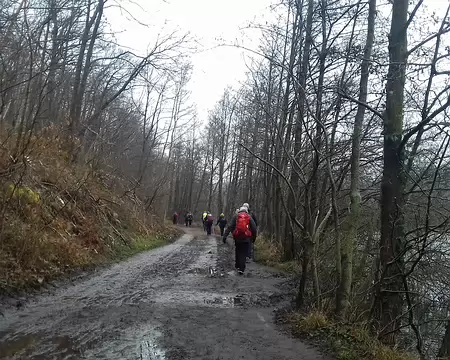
211 22
208 21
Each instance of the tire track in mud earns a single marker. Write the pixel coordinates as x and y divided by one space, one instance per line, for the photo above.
182 301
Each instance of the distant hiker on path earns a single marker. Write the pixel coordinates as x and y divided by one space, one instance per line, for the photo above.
188 218
222 222
204 215
175 218
209 221
243 229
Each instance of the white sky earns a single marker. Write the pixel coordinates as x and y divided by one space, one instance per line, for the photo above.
211 22
208 21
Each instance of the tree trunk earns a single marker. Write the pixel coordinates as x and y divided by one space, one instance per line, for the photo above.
444 351
307 250
51 82
75 106
211 177
352 221
202 185
388 304
220 189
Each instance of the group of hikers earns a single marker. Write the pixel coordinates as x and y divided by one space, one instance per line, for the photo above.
188 218
243 228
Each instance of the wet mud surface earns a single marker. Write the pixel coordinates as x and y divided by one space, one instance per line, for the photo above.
182 301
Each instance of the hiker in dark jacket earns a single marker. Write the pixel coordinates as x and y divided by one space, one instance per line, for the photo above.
175 218
222 222
243 229
188 218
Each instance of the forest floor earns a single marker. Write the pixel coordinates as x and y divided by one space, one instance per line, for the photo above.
180 301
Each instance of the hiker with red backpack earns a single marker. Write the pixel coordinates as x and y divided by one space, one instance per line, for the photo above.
243 229
209 221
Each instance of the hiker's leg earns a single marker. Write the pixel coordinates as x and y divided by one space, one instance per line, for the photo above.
242 253
236 255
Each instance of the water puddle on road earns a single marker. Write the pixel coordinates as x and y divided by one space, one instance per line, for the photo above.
200 298
243 300
212 272
206 259
149 348
226 301
180 297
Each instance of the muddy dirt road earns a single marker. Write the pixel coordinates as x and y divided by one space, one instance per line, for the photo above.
182 301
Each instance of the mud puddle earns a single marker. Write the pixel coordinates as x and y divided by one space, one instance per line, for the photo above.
226 301
196 298
211 272
149 348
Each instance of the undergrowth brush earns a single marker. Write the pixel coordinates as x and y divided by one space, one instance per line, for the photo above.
57 216
269 253
345 341
351 341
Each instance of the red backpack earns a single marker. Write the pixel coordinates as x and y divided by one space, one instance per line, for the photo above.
209 219
242 229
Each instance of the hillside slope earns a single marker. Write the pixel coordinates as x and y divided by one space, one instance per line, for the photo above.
56 216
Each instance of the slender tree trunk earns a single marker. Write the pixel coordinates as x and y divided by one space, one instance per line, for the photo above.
388 304
51 83
352 221
211 177
307 246
202 185
444 350
314 203
75 105
220 187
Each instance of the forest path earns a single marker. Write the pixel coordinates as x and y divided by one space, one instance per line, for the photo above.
181 301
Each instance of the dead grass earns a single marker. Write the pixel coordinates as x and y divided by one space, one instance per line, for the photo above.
56 217
268 253
347 342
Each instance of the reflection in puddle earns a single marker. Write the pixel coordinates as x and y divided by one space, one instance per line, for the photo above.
193 298
227 301
211 272
149 349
